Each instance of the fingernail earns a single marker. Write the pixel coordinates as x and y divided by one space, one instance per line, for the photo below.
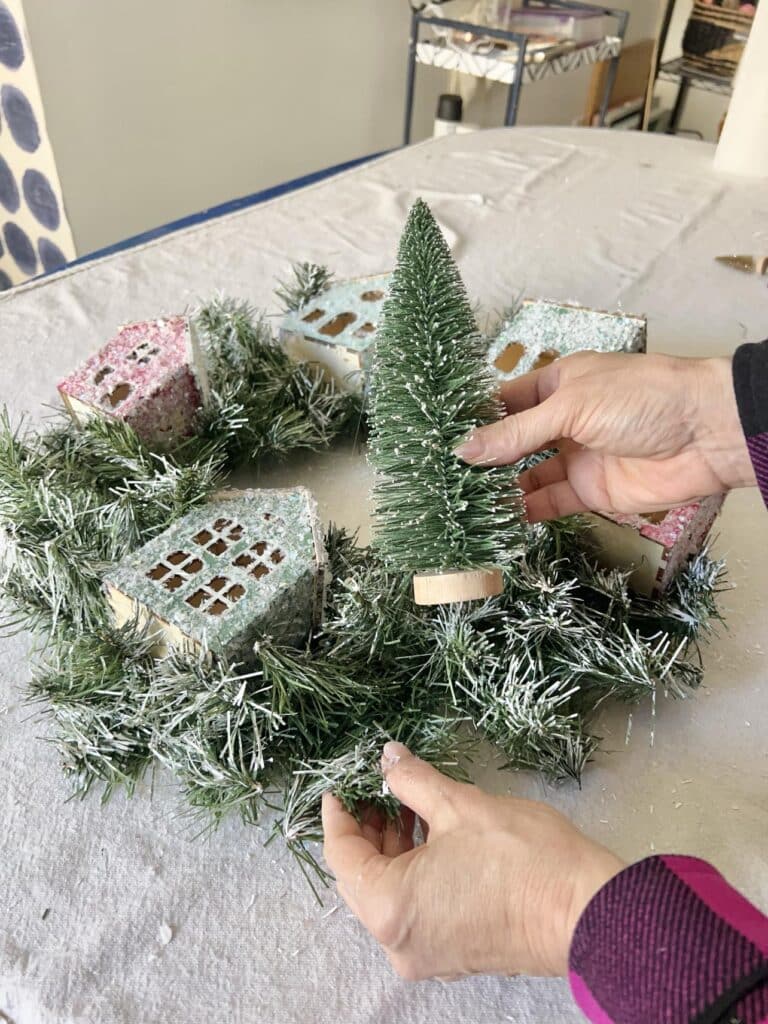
391 754
471 448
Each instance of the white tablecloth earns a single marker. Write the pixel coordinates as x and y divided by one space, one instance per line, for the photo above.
87 892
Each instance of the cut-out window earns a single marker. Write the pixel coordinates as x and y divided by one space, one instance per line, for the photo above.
197 598
184 566
143 353
508 359
215 537
372 296
277 556
259 547
118 394
655 517
339 323
101 374
259 571
243 561
367 328
549 355
315 314
217 596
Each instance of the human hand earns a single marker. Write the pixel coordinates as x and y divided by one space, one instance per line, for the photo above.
497 888
634 433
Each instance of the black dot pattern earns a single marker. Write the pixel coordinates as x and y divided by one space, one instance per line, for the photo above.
20 247
11 44
51 256
34 234
41 199
20 118
9 190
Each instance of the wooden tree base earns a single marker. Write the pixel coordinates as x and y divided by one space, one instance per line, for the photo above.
452 587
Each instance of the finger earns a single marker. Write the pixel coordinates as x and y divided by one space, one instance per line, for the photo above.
417 784
522 392
518 435
372 824
551 471
398 834
532 388
352 858
566 446
552 502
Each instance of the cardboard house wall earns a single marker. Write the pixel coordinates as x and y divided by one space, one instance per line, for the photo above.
655 545
542 331
152 374
245 565
337 329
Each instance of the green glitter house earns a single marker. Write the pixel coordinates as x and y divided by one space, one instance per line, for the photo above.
541 332
246 565
337 329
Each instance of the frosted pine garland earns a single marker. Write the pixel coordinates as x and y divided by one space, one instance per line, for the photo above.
527 670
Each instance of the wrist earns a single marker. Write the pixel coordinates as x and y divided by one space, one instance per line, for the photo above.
597 869
717 434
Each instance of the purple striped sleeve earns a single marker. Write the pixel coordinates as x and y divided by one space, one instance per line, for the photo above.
750 382
758 452
669 941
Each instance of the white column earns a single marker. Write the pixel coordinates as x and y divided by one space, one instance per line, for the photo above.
743 147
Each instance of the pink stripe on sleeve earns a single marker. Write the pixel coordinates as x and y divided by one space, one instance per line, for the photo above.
712 889
586 1002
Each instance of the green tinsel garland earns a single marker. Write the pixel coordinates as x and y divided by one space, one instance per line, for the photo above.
528 669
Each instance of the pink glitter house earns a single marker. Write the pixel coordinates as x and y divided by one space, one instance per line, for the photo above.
654 545
151 374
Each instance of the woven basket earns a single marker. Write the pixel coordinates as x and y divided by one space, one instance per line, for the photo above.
715 38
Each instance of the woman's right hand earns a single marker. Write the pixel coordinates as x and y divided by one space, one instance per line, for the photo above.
634 433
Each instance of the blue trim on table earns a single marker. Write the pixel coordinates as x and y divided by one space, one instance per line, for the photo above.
221 210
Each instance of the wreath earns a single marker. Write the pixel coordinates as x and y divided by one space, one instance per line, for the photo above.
526 670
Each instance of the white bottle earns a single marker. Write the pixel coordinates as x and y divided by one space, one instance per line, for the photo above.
449 111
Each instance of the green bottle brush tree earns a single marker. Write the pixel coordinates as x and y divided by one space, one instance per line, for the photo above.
451 524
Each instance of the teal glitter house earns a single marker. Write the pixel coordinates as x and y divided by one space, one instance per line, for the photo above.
337 329
246 565
541 332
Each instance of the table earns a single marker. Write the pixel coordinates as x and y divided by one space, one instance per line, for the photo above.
87 892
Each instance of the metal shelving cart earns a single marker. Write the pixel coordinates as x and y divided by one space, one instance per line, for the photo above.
680 71
515 64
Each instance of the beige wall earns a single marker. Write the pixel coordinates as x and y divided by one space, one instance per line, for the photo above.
159 108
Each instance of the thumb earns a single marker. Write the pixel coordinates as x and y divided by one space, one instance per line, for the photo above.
518 435
417 784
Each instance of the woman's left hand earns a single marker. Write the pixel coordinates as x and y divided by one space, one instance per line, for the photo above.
497 888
